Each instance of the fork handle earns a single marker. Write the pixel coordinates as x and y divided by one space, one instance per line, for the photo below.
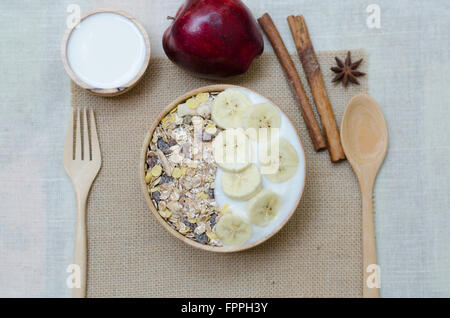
80 248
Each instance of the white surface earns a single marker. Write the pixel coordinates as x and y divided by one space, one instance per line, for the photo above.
106 50
288 191
409 74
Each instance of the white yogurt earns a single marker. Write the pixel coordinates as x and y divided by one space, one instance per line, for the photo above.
289 191
106 50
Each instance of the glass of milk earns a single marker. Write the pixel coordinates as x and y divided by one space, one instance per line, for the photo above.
106 53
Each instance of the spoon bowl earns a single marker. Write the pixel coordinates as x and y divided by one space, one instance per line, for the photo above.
364 137
364 131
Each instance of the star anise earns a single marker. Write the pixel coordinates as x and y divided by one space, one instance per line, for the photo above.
347 71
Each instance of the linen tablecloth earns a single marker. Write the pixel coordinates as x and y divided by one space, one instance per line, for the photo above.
408 75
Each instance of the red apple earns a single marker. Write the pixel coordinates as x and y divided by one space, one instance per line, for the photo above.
213 38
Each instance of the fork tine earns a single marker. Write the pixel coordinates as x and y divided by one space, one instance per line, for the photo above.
68 146
78 136
86 143
96 155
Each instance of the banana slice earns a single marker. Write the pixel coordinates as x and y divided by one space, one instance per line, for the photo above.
242 185
232 150
229 107
184 110
263 115
233 230
282 167
263 208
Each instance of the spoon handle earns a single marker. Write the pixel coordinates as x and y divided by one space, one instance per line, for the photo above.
370 268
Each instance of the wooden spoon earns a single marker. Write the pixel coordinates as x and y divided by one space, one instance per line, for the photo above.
364 137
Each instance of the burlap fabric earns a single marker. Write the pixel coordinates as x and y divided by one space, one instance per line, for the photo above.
317 254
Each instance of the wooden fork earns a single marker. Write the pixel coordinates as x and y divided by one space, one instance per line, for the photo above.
82 161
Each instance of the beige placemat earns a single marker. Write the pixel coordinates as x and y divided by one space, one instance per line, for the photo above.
317 254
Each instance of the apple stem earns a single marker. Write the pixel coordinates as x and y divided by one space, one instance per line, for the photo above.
170 18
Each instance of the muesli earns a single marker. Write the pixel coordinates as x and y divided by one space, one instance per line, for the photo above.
181 170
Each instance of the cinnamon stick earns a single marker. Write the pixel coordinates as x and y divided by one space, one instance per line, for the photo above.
294 80
311 67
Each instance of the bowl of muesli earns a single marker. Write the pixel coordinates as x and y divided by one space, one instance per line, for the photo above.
223 168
